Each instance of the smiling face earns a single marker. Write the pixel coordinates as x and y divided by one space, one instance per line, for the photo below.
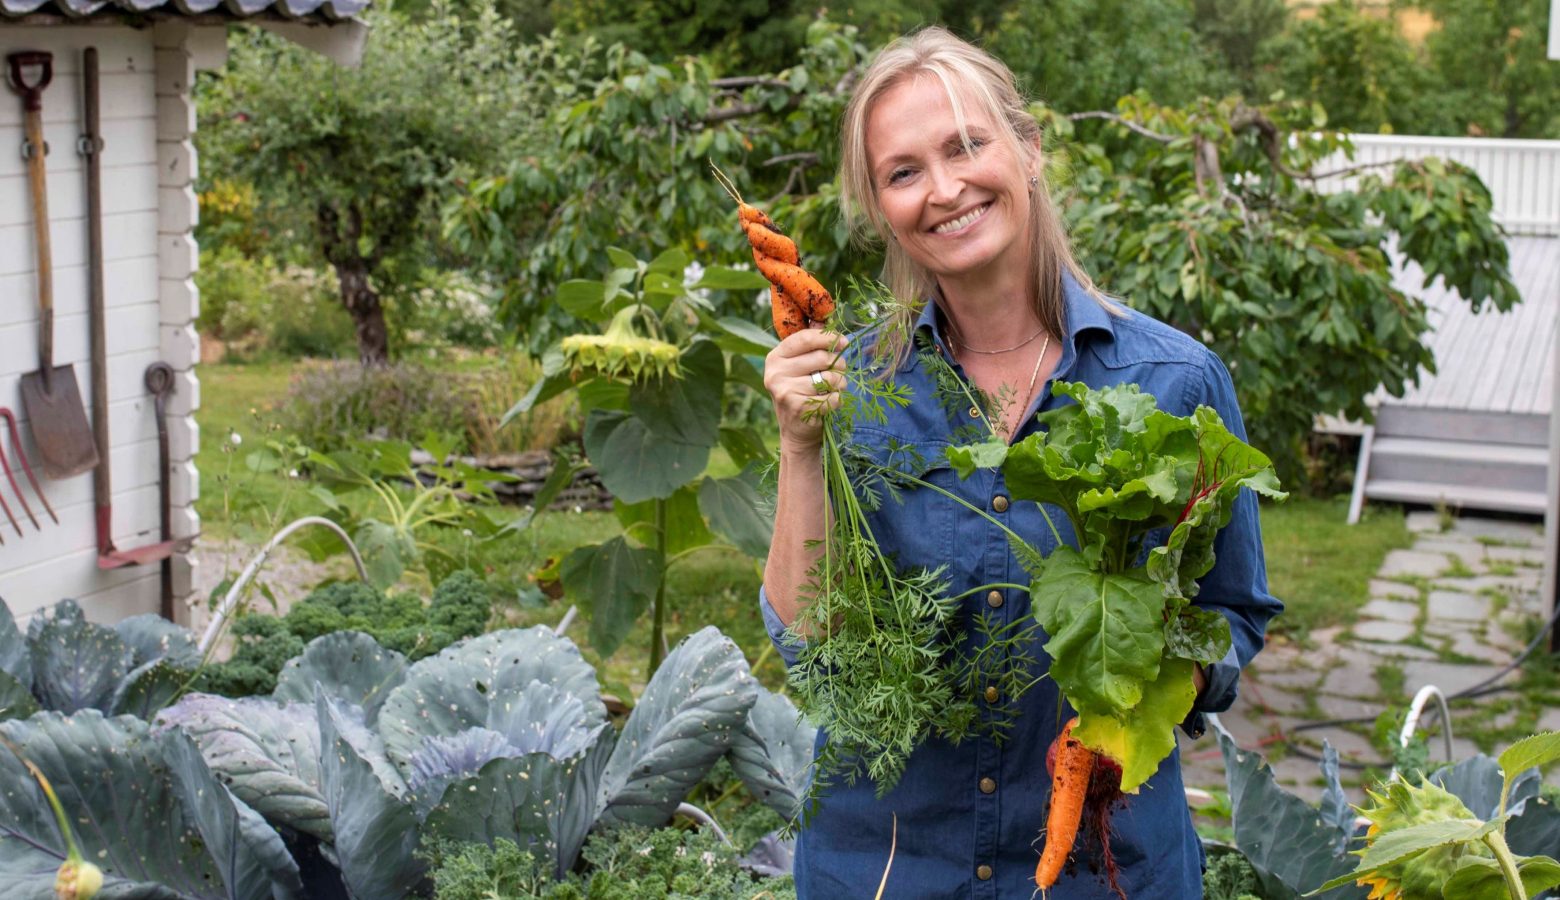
960 211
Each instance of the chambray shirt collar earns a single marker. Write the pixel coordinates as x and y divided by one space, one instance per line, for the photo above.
1081 313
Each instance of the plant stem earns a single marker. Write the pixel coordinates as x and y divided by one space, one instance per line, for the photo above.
1496 840
658 629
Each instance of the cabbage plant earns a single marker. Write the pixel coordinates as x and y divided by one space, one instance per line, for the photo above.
503 735
68 664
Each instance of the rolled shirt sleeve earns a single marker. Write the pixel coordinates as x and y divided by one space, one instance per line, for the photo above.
786 644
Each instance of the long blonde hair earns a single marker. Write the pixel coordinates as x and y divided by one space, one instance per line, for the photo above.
989 83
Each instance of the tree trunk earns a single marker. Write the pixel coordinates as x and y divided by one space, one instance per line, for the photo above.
368 314
340 243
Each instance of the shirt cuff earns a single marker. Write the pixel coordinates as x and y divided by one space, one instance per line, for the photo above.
787 644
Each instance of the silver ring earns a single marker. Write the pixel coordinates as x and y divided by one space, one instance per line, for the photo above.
820 386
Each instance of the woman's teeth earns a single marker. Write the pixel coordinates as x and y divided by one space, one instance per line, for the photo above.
962 221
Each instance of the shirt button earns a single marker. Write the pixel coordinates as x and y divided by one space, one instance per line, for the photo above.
999 503
991 694
974 412
983 873
988 786
994 599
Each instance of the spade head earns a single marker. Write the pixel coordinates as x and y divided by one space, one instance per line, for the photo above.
66 446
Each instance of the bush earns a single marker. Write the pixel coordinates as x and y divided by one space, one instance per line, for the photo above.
332 404
257 308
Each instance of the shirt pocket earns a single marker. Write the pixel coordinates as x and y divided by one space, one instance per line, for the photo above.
913 526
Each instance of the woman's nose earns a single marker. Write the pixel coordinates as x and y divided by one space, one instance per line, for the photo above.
945 185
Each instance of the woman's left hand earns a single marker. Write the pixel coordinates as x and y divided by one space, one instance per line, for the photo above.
1198 678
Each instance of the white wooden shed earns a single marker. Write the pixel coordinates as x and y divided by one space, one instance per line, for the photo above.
148 52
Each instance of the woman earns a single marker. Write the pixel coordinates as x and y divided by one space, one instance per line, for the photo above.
942 162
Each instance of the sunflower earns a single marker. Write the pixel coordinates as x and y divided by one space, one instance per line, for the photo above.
1418 876
620 352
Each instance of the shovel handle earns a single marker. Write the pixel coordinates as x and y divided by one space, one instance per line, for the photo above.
32 105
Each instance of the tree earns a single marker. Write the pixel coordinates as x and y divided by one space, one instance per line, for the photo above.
1237 30
1491 59
1083 54
357 160
1362 71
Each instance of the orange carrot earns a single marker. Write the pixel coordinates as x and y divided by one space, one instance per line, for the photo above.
1071 764
768 241
797 298
788 316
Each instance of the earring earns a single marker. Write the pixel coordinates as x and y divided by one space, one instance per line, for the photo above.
1034 182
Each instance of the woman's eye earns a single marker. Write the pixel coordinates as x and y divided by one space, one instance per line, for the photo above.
898 175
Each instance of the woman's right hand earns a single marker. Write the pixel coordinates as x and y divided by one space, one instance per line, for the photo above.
799 403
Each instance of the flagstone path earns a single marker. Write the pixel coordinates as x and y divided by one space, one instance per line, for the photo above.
1451 611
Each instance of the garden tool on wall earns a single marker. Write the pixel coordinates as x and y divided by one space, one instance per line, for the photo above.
159 380
91 147
16 447
50 395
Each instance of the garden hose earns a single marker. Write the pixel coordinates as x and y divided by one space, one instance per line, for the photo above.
1484 688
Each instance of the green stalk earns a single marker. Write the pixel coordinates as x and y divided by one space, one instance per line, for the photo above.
1496 841
658 630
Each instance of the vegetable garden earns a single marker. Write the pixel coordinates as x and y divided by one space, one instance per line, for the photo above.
412 728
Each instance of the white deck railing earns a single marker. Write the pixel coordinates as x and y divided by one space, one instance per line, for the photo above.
1523 176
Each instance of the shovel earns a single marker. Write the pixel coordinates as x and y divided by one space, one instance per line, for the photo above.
50 395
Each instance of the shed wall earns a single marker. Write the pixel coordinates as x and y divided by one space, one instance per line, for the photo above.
149 257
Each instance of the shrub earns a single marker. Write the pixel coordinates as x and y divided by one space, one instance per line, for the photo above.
257 308
329 405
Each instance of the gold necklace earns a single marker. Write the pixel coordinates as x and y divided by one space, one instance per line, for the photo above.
959 339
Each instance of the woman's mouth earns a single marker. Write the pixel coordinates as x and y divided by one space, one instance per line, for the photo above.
962 221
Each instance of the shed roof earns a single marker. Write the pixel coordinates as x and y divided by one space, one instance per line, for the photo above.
304 10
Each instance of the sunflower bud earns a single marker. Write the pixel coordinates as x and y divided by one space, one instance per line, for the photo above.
77 880
1420 875
620 352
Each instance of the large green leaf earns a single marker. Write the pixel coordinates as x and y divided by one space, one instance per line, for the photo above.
685 528
1480 878
1282 836
267 753
1535 750
471 684
635 463
348 666
387 551
14 658
16 701
1106 632
151 637
148 688
1393 846
773 753
615 582
554 381
688 716
1536 829
76 664
127 814
248 852
547 805
733 509
686 409
1140 738
376 832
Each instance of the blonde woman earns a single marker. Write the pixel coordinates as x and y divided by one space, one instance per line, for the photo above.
942 164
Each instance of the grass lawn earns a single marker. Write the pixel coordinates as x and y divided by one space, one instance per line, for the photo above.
1321 567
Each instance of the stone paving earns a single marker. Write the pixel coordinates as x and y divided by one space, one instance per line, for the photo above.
1449 611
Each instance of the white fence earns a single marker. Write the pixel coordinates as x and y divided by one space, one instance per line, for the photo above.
1523 176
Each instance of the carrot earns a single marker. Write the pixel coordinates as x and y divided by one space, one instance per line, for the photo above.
788 315
768 241
1071 764
796 297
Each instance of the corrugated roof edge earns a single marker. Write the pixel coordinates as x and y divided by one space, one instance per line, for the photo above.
323 11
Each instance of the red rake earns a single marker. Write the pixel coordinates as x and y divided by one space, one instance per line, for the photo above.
16 448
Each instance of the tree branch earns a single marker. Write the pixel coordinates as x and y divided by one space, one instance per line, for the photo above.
806 158
739 82
1128 123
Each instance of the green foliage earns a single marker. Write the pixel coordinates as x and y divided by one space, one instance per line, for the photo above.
261 646
631 863
620 158
1492 67
654 409
1230 876
1084 54
257 307
353 162
460 608
1208 220
1357 65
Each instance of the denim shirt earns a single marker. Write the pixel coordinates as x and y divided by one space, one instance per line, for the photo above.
969 815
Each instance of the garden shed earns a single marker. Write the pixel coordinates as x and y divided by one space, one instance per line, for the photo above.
147 53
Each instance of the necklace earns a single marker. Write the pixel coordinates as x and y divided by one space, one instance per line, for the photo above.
958 339
1029 394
